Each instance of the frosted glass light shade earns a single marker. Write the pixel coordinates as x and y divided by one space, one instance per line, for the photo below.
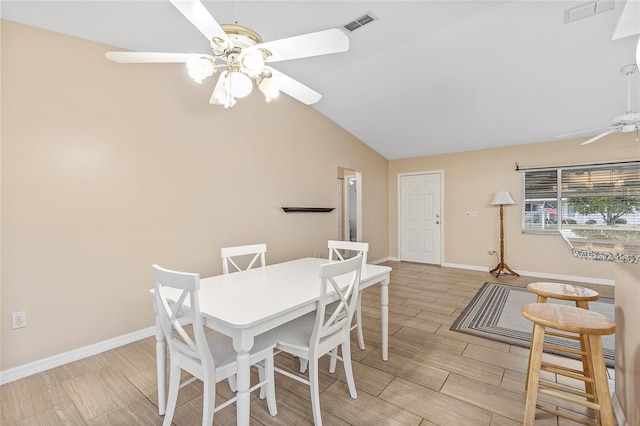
200 68
251 61
502 198
239 84
269 87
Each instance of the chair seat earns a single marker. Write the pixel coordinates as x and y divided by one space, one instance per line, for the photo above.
295 333
568 318
562 291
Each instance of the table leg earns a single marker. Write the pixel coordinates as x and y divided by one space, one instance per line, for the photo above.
242 344
161 365
384 307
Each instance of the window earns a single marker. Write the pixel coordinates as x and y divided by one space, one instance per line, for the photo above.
584 199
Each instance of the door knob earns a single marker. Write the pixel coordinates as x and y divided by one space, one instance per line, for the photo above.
437 222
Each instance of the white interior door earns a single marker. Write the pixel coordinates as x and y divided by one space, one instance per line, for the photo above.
420 218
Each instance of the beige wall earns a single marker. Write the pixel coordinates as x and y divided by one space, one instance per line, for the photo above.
108 168
471 179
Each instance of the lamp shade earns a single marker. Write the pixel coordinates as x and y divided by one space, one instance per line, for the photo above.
502 198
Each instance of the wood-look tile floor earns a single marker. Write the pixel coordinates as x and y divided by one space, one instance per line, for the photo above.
434 376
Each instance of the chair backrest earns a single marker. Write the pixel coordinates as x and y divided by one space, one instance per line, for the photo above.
184 310
337 248
228 253
331 329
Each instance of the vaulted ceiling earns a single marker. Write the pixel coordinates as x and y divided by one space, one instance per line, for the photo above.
426 77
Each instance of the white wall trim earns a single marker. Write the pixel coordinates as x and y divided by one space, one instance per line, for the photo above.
379 261
546 275
25 370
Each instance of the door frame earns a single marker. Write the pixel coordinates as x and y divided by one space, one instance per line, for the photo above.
399 202
346 211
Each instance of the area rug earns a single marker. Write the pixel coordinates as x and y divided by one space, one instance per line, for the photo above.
494 313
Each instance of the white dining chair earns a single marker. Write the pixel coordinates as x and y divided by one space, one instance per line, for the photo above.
210 356
319 333
338 250
229 264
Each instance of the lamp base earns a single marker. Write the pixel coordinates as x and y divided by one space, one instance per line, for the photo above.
503 266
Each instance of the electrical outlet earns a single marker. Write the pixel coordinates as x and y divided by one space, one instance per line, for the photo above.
491 250
18 320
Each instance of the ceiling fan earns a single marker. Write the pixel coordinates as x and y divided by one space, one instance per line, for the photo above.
241 55
628 122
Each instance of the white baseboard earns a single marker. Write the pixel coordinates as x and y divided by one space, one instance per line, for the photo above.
536 274
25 370
617 411
379 261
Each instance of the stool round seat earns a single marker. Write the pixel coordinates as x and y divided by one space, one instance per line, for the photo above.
563 291
569 318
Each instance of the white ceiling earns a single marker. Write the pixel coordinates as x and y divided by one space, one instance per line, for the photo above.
428 77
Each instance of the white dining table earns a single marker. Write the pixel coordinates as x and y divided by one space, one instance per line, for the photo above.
245 304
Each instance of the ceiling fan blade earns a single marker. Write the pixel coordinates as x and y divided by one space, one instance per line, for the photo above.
303 46
601 135
213 100
200 17
294 88
149 57
580 132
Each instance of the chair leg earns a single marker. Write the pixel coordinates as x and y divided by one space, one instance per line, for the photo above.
333 360
601 385
172 398
208 398
533 379
303 364
232 383
262 375
348 368
540 299
359 322
270 386
315 391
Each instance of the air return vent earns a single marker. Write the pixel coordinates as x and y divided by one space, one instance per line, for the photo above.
588 9
360 22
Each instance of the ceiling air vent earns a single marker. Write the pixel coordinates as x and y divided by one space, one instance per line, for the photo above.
588 9
360 22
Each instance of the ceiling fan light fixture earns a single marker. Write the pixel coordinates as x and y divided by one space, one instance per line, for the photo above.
241 54
200 67
269 87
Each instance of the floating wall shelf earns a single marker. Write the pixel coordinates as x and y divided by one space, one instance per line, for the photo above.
308 209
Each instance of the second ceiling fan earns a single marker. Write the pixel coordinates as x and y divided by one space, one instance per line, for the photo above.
242 56
628 122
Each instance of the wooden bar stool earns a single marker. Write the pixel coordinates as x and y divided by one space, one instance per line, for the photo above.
589 326
580 295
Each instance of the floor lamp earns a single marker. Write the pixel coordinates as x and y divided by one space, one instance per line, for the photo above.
502 198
